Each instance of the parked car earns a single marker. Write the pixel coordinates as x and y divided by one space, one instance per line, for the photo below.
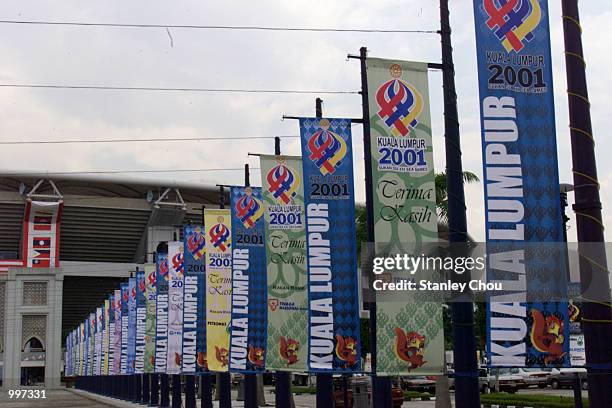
396 392
533 376
419 383
508 382
565 377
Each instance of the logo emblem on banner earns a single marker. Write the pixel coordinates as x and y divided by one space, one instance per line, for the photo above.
327 149
219 235
400 103
163 269
196 244
152 277
513 21
284 182
248 209
177 262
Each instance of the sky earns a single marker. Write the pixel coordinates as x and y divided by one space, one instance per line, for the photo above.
156 57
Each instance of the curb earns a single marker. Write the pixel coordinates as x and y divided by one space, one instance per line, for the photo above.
502 406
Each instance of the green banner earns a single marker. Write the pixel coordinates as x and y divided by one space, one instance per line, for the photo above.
410 337
285 232
150 297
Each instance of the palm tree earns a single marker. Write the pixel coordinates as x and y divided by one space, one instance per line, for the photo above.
442 192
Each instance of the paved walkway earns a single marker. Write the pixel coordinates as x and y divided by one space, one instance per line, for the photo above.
55 399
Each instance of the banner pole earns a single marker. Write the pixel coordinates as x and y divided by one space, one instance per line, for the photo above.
250 379
464 342
282 386
190 397
225 381
177 401
597 317
205 391
325 381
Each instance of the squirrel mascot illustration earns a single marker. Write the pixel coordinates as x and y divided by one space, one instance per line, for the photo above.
288 349
409 347
256 356
547 335
346 350
222 356
201 359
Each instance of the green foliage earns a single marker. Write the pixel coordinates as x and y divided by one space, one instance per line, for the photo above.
300 389
442 192
365 336
535 401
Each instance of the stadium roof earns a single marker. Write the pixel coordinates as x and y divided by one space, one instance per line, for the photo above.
105 218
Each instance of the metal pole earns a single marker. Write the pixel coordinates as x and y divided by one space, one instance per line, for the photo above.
177 400
282 384
381 386
154 400
164 391
190 397
225 381
250 379
325 381
464 343
137 387
597 316
206 391
146 394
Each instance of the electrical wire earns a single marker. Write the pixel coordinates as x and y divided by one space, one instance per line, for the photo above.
163 89
60 173
165 139
219 27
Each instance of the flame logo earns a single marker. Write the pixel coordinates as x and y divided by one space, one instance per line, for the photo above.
284 183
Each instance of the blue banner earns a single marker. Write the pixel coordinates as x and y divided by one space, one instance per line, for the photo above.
521 180
248 334
125 296
161 314
131 345
194 301
111 334
333 321
141 318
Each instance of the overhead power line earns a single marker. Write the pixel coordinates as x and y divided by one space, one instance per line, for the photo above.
219 27
61 173
163 89
165 139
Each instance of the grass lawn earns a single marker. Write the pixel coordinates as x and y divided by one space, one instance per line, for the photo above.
536 401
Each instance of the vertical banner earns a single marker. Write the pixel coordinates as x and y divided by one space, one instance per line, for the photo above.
141 317
150 326
105 338
285 232
98 340
175 314
117 328
90 343
410 337
81 350
125 321
41 233
334 343
110 328
161 313
219 286
249 280
131 345
521 184
194 302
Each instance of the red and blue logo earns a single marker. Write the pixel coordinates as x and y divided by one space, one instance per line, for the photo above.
513 21
248 209
152 277
196 244
163 269
219 236
177 263
284 183
141 285
400 103
327 149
